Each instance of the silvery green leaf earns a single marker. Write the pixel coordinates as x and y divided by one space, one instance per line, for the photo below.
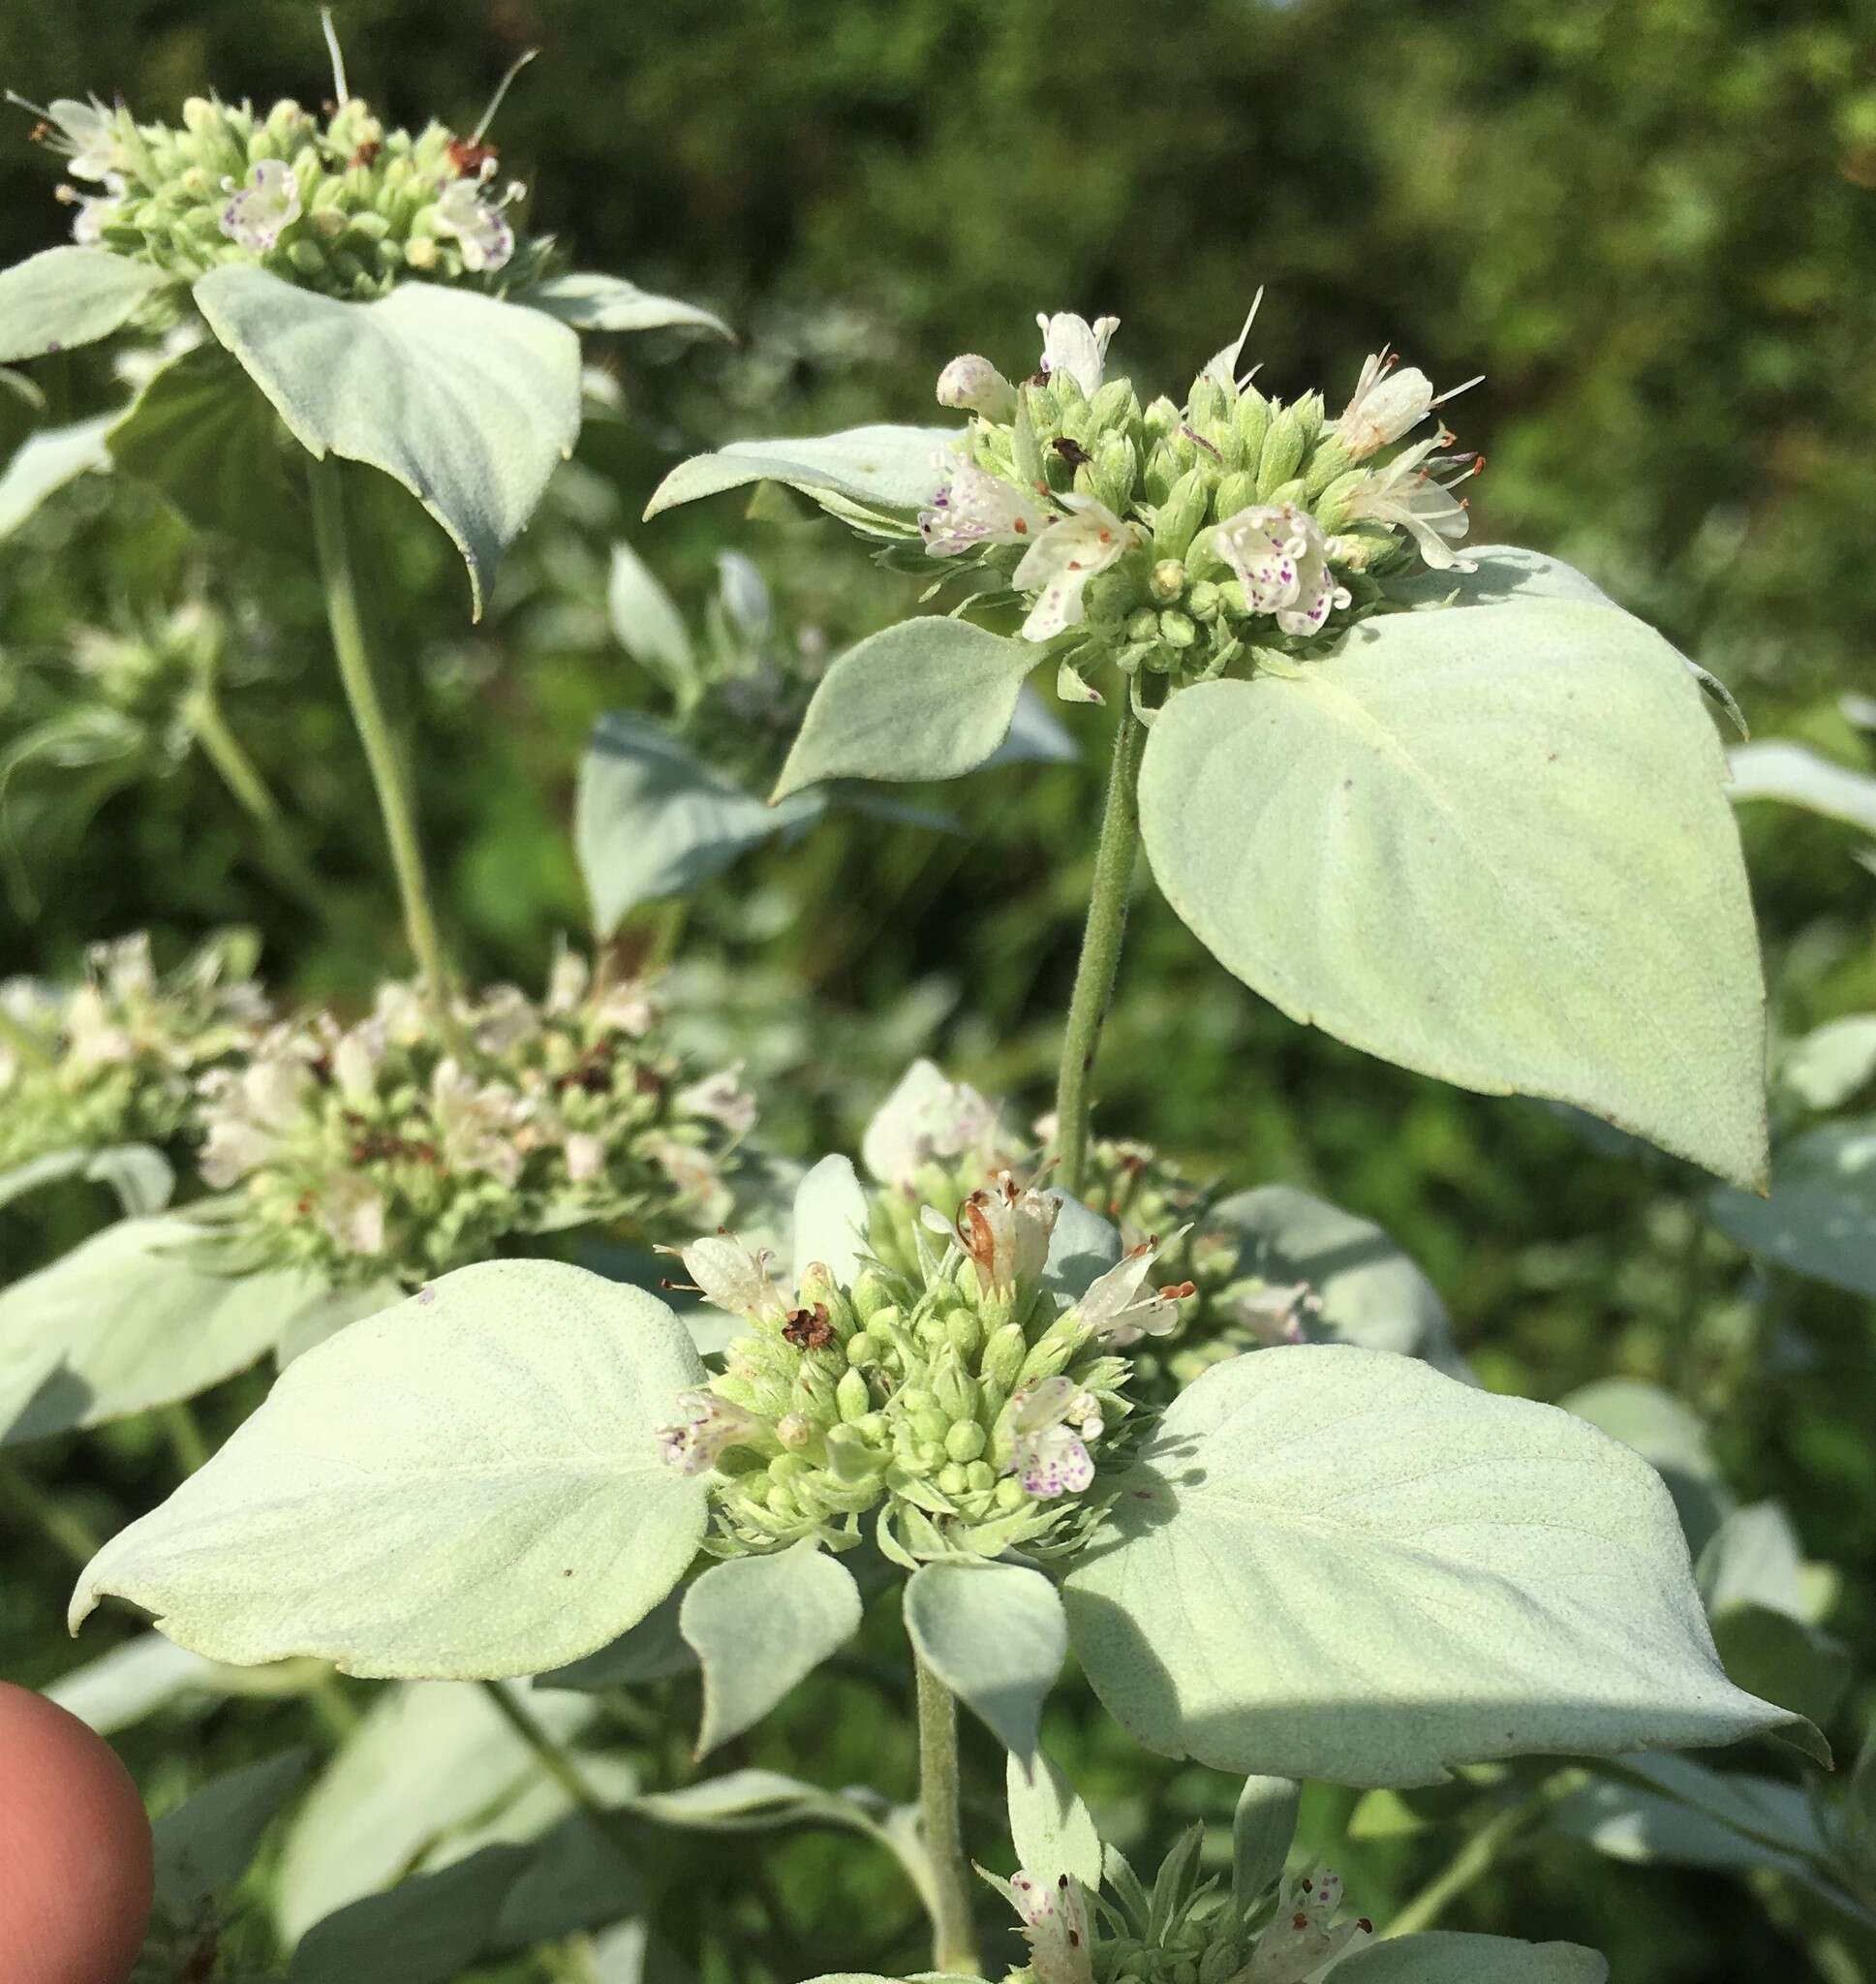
1081 1245
650 819
1332 1563
1832 1063
1036 736
1262 1827
427 1930
830 1221
1499 573
647 624
44 464
205 1847
1051 1828
1372 1292
140 1175
753 1801
135 1317
1409 844
653 1649
930 699
1779 769
589 301
23 406
1443 1956
203 434
490 1494
428 1758
1820 1219
577 1879
1753 1559
134 1680
1671 1437
326 1314
894 468
759 1625
1771 1654
64 297
470 403
995 1634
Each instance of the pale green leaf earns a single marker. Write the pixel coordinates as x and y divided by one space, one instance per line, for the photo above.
328 1313
135 1318
1821 1218
428 1758
759 1625
892 468
1779 769
1332 1563
1499 573
205 1847
63 297
1052 1830
44 464
589 301
23 406
1412 841
1372 1292
1671 1437
132 1681
470 403
650 819
1832 1063
930 699
647 624
490 1494
830 1222
653 1649
995 1634
1771 1654
1753 1559
1444 1957
1262 1827
140 1177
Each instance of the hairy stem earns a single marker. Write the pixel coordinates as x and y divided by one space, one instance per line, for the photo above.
64 1531
554 1759
394 802
241 775
1100 951
954 1944
185 1435
1471 1863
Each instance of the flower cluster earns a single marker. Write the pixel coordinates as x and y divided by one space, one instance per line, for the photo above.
114 1058
403 1148
1183 1932
1176 538
965 1400
344 205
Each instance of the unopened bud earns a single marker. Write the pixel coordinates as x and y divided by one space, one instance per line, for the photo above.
1178 519
1282 453
1113 473
1251 418
200 114
974 383
966 1440
1004 1357
1177 630
1202 602
794 1431
1144 625
1234 492
1167 581
852 1398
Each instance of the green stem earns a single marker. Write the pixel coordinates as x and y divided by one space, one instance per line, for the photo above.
1470 1864
954 1943
394 802
239 773
554 1759
66 1531
185 1435
1100 951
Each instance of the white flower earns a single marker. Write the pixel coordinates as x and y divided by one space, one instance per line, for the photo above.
1052 1423
1303 1939
973 383
1054 1925
721 1097
709 1424
355 1061
1406 496
585 1157
692 1174
124 966
1279 556
402 1013
973 507
476 1125
90 137
481 234
627 1009
1071 344
927 1119
1387 404
1063 559
247 1116
506 1019
566 982
1115 1310
1004 1228
93 1040
96 211
730 1277
353 1214
1276 1312
263 208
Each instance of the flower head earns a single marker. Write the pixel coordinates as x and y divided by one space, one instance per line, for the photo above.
264 206
1306 1935
88 134
1407 494
728 1276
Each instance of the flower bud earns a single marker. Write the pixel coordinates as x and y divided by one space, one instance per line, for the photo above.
1113 402
852 1396
849 1456
1107 597
1178 519
308 257
1177 630
1207 404
1113 473
871 1292
973 383
1004 1357
1330 460
1282 452
1234 492
1167 581
966 1440
952 1478
955 1390
1251 419
1202 602
795 1430
200 114
1332 505
1144 625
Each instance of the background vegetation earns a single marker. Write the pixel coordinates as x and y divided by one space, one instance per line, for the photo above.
1651 224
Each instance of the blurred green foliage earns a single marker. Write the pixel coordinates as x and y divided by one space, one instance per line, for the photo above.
1651 223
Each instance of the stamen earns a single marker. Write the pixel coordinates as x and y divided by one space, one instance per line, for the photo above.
331 34
515 68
